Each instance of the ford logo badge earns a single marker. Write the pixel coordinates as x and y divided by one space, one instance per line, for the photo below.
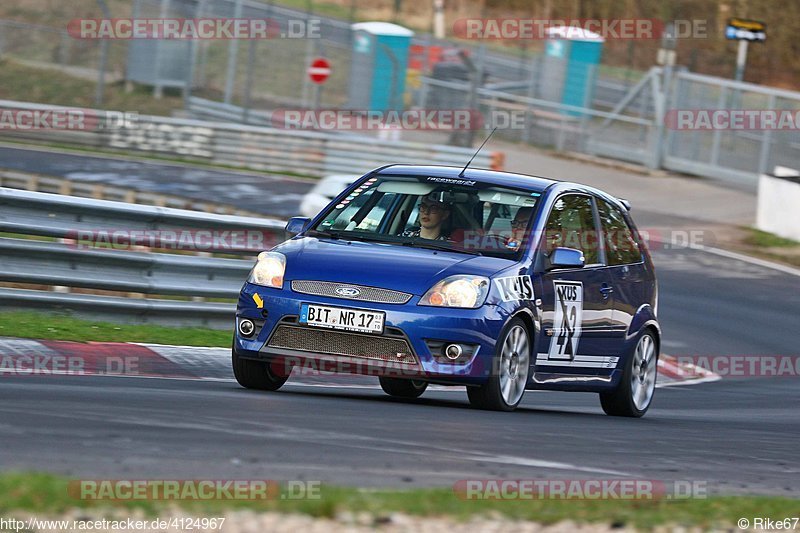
347 292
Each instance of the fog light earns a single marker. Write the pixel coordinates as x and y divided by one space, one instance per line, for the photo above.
246 327
453 351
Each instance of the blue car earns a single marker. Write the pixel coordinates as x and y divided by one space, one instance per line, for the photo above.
495 281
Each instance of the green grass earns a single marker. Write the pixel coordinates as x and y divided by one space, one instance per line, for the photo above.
769 240
320 8
64 327
769 246
44 493
50 86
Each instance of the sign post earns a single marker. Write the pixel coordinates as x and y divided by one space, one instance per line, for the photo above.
744 31
318 73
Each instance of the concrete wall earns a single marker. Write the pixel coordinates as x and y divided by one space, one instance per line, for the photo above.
779 204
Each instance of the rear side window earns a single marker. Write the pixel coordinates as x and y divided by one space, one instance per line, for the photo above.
571 225
619 240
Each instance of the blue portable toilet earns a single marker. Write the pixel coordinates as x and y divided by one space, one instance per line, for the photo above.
378 69
572 55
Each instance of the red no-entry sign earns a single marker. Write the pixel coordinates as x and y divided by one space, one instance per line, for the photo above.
319 70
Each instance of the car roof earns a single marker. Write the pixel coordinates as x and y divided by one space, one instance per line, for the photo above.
341 177
495 177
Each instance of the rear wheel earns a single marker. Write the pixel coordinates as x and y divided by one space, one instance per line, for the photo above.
510 367
259 375
403 388
635 391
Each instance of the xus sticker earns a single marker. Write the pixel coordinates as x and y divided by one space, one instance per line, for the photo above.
567 320
515 288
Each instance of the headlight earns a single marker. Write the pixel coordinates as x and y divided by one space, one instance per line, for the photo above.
269 270
458 291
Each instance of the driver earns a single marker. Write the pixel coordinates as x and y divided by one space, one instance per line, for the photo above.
433 214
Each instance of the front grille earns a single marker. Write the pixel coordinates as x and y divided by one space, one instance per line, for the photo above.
325 341
365 294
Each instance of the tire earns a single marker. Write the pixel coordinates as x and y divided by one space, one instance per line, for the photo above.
510 369
403 388
634 394
258 375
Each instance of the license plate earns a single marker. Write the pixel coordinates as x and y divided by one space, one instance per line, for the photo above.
357 320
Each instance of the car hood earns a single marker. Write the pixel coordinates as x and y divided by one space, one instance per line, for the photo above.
390 266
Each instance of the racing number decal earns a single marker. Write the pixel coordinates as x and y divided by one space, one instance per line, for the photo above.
515 288
567 319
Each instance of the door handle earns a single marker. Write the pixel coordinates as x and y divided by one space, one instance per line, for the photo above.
606 289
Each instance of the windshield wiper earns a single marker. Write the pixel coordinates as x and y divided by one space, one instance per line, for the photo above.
433 245
335 235
347 236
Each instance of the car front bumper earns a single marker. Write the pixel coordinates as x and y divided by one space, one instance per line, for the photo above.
423 329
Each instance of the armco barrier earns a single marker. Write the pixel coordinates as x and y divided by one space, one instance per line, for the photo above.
48 264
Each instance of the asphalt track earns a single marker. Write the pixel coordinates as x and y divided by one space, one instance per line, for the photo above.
736 435
240 189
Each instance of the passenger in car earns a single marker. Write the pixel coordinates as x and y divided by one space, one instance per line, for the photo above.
519 226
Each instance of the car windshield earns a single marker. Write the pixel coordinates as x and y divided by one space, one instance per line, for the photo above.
433 212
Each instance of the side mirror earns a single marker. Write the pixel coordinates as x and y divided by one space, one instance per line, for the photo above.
296 225
566 258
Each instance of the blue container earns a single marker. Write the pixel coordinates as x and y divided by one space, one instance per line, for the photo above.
378 70
572 55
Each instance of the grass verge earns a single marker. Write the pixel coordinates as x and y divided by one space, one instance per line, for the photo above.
770 240
27 324
769 246
48 494
52 86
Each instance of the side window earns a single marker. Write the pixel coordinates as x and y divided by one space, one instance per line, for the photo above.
375 215
342 219
619 241
371 220
571 225
413 217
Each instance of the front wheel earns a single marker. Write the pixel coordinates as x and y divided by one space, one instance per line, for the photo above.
259 375
634 394
403 388
510 368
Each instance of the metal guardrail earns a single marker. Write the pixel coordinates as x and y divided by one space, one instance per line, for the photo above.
310 153
56 264
102 191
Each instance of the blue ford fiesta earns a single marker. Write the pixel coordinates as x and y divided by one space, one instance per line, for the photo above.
495 281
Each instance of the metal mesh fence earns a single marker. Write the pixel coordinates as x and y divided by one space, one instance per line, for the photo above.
271 73
45 46
730 151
